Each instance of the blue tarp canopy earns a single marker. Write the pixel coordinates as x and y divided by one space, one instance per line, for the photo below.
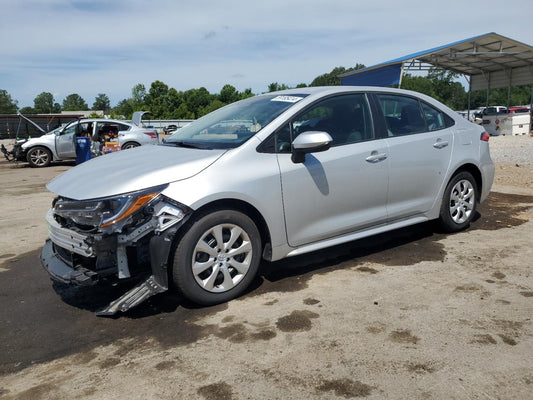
489 60
388 75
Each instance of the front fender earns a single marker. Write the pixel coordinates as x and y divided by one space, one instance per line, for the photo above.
40 142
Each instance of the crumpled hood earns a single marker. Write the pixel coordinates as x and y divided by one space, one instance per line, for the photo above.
130 170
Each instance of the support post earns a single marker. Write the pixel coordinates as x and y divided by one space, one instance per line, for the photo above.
469 80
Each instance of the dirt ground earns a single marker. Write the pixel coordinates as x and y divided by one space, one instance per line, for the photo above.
411 314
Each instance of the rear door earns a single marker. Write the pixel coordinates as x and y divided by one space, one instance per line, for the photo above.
420 147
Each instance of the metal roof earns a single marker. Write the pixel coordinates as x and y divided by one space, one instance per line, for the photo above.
490 60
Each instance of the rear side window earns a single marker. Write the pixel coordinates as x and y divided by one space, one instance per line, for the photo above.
123 127
403 115
434 118
406 115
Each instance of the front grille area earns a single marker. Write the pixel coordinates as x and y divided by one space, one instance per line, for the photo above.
64 255
68 239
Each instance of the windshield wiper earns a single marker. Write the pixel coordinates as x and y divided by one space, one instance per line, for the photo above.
188 145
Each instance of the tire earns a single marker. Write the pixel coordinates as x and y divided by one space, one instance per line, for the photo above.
129 145
459 202
39 157
217 258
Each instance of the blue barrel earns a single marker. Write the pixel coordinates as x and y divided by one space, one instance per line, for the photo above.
83 149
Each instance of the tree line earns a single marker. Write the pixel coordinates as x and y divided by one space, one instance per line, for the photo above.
164 102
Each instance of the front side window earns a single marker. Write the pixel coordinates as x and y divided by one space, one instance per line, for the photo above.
346 118
403 115
83 128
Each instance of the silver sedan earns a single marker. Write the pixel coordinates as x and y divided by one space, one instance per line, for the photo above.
60 144
269 177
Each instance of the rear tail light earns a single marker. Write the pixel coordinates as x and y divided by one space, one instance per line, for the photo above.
485 137
153 135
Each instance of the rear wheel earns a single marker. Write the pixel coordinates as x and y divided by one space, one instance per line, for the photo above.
217 258
39 157
129 145
459 202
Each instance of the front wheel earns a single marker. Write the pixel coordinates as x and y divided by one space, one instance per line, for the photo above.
217 258
39 157
459 202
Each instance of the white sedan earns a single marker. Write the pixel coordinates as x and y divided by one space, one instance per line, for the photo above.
60 144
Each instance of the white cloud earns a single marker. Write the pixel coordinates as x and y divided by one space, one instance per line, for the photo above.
96 46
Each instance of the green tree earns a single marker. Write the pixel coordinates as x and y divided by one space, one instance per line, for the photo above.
7 104
174 101
101 102
74 102
275 86
138 96
124 109
520 95
247 93
157 100
136 102
440 85
27 110
182 112
419 84
44 103
212 106
157 89
196 99
332 78
228 94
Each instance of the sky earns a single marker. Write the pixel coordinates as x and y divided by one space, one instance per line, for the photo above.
109 46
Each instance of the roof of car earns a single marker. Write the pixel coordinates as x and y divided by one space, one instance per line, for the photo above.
340 89
320 91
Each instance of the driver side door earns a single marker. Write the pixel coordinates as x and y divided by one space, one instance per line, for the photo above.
340 190
66 142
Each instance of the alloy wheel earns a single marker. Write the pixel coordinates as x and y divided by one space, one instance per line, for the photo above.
39 157
221 258
462 201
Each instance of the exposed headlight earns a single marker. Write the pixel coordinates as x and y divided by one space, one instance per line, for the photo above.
104 212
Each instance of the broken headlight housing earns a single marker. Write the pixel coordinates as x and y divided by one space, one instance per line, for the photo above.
104 212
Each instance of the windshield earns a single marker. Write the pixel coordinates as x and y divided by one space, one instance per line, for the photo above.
230 126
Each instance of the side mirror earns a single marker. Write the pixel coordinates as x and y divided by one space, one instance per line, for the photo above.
309 142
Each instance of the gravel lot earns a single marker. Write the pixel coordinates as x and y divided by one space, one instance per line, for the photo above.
411 314
513 156
511 149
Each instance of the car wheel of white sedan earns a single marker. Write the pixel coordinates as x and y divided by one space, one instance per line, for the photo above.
459 202
217 258
39 157
129 145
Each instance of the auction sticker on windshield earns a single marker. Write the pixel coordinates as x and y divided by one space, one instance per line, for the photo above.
288 99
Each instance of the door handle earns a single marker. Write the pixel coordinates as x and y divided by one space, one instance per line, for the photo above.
439 144
375 157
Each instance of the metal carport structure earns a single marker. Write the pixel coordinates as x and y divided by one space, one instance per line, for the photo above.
487 61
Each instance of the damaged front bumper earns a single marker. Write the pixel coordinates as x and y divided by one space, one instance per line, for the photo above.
16 153
84 259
